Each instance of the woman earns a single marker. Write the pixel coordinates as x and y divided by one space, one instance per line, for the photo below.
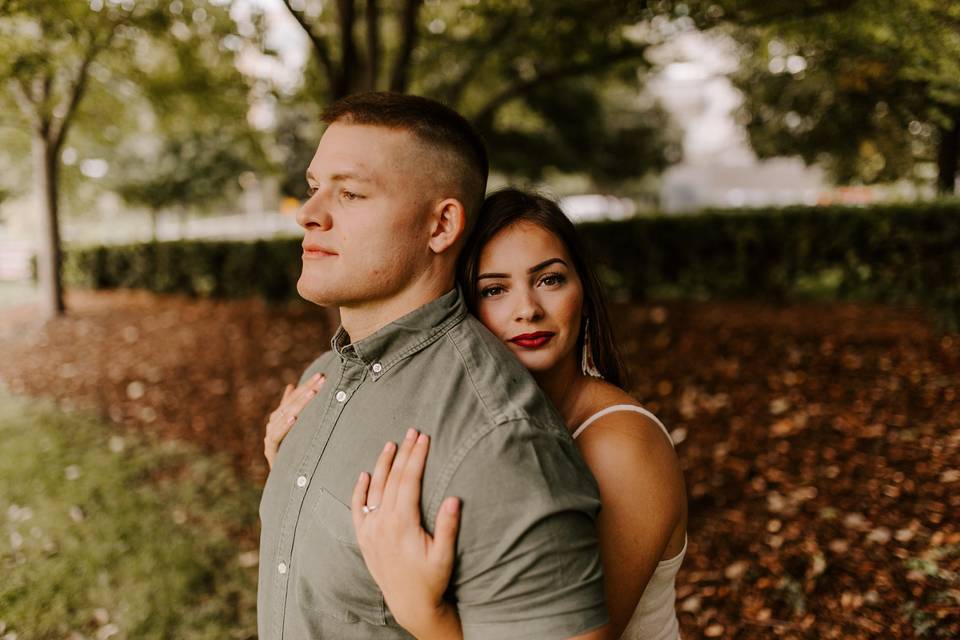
525 276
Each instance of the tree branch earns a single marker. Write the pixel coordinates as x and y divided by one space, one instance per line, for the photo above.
318 42
68 105
798 11
26 104
522 87
453 91
401 66
372 20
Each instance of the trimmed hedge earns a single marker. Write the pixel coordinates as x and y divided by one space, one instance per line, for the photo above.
895 254
222 269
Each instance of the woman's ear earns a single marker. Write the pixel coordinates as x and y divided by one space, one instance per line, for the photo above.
449 224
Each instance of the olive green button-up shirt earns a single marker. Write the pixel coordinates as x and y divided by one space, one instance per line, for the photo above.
527 561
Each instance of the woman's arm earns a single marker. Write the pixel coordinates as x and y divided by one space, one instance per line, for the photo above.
411 567
643 498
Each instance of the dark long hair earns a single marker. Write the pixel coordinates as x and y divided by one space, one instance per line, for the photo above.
506 208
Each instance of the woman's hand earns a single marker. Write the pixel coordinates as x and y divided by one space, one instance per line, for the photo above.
291 404
411 567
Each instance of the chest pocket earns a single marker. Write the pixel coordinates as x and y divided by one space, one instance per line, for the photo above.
333 579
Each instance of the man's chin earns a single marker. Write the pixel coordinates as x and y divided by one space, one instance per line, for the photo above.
318 296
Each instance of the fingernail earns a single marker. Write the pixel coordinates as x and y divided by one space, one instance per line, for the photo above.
411 433
317 376
453 505
291 419
422 438
388 446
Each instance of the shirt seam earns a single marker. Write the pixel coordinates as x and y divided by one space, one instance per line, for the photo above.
453 464
432 335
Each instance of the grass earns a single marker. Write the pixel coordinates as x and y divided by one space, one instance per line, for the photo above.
110 536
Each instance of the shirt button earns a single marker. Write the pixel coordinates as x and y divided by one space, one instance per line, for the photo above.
341 396
377 367
282 568
302 481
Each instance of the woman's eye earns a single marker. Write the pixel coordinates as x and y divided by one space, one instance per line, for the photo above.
552 279
493 290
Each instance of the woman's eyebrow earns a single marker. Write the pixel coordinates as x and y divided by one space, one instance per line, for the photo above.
492 275
531 270
545 264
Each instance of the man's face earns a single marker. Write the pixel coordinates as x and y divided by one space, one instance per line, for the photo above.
366 221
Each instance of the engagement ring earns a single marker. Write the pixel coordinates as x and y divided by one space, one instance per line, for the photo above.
370 508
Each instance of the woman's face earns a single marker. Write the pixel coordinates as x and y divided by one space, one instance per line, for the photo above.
530 296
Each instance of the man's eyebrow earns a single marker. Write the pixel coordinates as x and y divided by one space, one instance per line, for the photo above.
340 177
531 270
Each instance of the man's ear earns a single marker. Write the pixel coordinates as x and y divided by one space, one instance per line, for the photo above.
449 223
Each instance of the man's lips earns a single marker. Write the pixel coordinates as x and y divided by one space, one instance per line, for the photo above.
317 251
532 340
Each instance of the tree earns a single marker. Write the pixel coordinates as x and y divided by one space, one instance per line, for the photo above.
54 55
526 72
870 89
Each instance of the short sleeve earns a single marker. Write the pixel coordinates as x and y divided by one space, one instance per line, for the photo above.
528 561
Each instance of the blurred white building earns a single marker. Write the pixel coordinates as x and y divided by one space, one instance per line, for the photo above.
775 182
719 168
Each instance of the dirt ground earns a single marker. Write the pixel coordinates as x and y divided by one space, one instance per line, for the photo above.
820 443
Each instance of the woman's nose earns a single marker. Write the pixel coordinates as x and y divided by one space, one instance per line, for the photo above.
528 308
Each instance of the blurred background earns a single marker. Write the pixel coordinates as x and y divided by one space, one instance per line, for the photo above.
769 189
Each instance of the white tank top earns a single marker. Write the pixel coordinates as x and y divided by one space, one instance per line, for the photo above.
655 617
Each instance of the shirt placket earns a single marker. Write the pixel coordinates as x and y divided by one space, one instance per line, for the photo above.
350 378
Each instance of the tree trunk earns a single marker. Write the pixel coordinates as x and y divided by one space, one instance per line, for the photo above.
373 44
408 28
947 157
48 257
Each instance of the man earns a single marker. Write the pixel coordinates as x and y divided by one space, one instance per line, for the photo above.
393 186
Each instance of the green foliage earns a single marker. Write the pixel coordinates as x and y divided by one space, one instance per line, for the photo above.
894 254
151 86
191 172
143 530
267 268
551 84
870 89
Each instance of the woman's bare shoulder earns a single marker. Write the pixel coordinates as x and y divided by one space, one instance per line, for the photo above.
627 437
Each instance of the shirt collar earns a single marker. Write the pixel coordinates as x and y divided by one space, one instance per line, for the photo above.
402 337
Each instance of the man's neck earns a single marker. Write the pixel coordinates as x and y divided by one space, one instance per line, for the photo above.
362 320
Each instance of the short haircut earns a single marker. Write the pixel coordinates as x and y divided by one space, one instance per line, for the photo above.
432 123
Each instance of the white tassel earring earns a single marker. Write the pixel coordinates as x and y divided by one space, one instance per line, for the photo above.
586 361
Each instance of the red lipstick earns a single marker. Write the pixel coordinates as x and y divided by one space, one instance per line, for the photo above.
532 340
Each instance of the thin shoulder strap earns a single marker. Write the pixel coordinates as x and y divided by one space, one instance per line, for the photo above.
620 407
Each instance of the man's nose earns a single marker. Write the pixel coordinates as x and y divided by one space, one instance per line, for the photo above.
314 212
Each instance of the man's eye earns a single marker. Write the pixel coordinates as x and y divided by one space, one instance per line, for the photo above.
350 195
311 191
493 290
